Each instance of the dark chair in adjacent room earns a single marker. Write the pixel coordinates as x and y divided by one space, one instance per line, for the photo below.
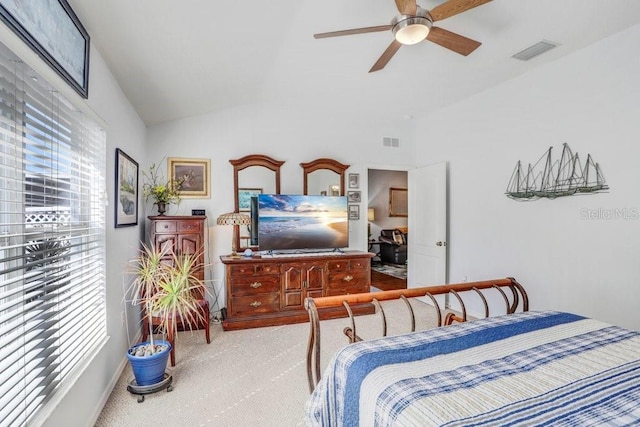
393 246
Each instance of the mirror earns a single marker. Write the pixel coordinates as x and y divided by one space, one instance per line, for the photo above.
324 177
253 174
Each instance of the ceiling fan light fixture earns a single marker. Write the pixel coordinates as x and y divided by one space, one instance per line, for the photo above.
410 29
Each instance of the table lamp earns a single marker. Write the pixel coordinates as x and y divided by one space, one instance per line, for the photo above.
371 216
234 218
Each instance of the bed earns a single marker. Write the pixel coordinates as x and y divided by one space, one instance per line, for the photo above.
518 367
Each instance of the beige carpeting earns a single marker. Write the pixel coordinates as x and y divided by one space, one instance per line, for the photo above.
252 377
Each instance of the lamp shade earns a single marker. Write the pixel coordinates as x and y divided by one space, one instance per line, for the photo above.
234 218
371 214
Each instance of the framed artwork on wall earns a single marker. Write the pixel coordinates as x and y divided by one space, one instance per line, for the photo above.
244 198
354 212
126 190
53 31
354 180
354 196
398 202
193 173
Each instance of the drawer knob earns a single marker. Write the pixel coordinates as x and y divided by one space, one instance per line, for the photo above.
348 278
255 304
256 285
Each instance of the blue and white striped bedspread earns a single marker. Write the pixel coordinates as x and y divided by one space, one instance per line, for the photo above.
525 369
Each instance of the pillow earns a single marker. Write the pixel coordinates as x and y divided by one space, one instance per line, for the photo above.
398 237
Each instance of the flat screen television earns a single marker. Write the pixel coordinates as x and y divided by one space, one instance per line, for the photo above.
296 222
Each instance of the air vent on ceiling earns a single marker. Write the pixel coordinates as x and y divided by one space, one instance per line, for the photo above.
535 50
390 142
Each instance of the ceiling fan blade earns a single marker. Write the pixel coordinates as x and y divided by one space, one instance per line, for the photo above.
407 7
353 31
452 41
386 56
454 7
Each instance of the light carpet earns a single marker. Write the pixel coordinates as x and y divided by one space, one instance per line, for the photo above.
251 377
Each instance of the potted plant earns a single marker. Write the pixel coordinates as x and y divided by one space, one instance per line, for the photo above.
160 190
168 293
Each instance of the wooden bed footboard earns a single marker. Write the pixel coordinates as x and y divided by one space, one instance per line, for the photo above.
512 293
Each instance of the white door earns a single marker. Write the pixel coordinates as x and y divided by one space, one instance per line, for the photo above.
427 245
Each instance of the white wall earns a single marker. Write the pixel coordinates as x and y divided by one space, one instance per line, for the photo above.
590 100
283 133
83 402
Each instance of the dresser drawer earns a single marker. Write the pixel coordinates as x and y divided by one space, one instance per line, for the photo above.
165 226
253 285
360 264
345 291
253 269
255 304
349 279
338 265
189 226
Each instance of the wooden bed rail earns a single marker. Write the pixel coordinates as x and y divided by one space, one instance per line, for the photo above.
512 292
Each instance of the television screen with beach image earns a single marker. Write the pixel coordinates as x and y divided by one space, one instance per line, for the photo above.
296 222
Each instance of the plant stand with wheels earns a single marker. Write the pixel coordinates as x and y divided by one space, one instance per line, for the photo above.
142 390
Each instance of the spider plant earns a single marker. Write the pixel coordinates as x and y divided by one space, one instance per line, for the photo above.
167 289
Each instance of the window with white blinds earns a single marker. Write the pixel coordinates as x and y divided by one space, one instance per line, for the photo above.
52 240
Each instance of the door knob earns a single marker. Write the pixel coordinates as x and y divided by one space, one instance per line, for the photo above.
441 243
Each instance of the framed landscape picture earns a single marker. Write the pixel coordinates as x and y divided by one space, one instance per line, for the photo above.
193 173
126 190
52 30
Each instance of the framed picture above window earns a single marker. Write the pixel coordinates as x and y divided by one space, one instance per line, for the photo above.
126 190
54 32
194 174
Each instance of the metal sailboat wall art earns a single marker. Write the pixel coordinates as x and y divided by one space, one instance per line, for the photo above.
550 179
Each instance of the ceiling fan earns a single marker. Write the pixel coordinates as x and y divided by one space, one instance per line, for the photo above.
415 24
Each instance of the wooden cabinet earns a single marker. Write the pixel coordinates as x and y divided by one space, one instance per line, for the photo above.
180 235
300 280
271 291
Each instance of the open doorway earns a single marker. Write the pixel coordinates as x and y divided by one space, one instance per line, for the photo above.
388 218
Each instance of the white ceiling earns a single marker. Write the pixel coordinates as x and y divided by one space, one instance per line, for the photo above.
176 59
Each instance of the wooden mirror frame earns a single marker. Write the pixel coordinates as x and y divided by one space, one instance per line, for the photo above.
246 162
330 164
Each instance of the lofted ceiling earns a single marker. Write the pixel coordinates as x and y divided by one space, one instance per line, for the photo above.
176 59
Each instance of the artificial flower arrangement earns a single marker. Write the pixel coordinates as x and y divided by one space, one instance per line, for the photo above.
160 190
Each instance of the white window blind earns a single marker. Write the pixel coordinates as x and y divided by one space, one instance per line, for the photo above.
52 240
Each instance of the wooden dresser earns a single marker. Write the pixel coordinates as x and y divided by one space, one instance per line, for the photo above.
180 235
271 291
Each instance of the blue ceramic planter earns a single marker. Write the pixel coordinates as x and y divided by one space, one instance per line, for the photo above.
149 370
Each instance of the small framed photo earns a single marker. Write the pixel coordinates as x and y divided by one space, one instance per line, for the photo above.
126 190
354 180
194 174
354 212
354 196
244 198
